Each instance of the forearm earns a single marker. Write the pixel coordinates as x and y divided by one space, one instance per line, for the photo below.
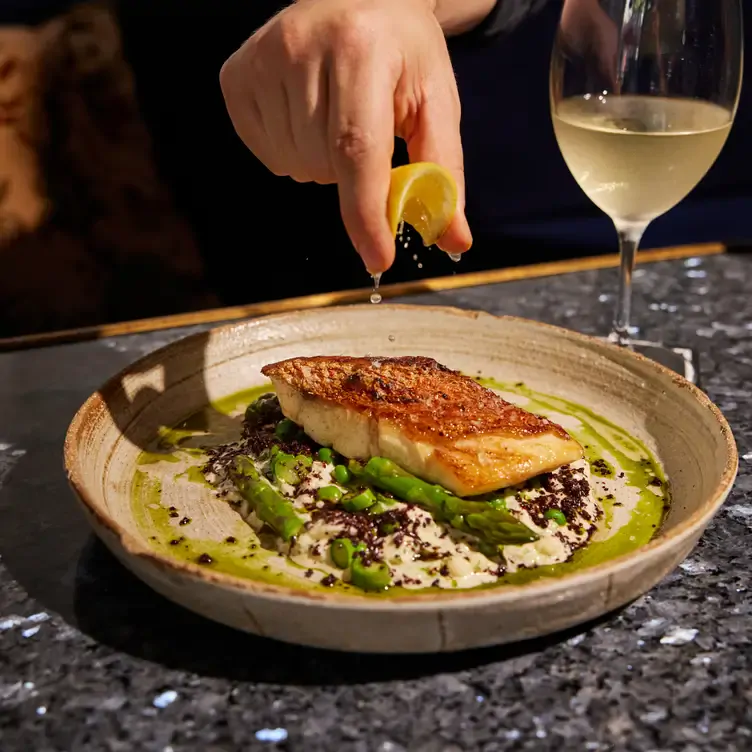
575 11
459 16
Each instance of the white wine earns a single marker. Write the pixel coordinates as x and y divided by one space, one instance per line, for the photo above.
637 157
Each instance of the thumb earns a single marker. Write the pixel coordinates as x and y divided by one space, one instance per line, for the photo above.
436 138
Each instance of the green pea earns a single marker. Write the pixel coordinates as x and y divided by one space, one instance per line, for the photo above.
285 473
556 515
329 493
341 474
285 429
325 455
288 468
284 468
359 501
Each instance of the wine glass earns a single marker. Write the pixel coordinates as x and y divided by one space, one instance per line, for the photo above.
643 96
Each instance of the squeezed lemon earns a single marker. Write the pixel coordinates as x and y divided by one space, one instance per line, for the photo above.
424 195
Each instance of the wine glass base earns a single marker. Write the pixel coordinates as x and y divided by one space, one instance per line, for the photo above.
682 360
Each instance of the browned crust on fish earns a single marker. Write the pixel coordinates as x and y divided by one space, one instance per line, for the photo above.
424 398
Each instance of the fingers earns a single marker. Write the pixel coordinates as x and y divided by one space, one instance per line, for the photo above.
436 138
309 116
277 129
245 113
280 111
361 141
608 53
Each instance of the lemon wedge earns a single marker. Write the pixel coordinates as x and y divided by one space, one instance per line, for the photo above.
424 195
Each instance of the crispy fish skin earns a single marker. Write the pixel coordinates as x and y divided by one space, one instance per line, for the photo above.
435 422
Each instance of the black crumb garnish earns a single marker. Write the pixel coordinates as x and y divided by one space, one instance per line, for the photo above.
258 436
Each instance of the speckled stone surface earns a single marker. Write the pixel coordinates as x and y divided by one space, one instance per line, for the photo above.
90 659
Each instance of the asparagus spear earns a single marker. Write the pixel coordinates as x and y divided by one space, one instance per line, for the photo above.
372 576
270 506
342 551
383 504
366 575
494 526
359 501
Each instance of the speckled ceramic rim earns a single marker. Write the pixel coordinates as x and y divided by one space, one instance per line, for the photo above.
693 526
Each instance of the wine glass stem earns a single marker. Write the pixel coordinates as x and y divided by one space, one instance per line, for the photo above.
630 235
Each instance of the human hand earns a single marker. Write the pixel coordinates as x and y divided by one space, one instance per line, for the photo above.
588 31
321 90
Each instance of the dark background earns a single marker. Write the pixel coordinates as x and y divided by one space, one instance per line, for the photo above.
261 237
523 204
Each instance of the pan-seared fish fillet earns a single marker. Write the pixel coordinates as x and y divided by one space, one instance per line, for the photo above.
434 422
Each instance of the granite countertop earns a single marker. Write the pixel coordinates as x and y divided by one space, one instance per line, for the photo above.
91 659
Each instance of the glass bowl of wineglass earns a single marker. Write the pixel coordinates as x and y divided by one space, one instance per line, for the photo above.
643 97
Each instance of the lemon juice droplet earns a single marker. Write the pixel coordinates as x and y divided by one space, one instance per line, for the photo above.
401 237
455 256
376 295
424 218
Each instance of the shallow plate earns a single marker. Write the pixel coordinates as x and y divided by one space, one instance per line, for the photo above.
674 419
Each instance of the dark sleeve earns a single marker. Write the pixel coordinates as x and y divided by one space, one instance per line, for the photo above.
507 15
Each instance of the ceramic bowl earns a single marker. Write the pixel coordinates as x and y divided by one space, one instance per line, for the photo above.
673 418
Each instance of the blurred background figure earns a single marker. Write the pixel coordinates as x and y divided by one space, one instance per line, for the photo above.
125 193
89 230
